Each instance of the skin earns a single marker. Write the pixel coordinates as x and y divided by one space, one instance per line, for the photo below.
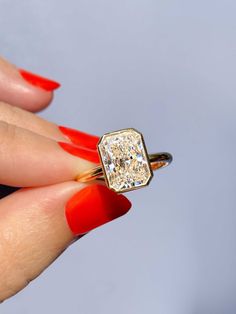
33 227
17 92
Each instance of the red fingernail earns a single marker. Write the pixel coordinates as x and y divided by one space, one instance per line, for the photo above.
82 152
94 206
39 81
80 138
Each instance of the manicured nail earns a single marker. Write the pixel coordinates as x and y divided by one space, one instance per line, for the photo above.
39 81
81 152
94 206
80 138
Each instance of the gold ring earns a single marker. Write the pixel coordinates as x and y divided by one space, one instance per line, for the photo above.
125 163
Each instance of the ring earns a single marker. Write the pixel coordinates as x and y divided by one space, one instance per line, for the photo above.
125 163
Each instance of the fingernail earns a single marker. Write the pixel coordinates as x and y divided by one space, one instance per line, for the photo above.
94 206
39 81
81 152
80 138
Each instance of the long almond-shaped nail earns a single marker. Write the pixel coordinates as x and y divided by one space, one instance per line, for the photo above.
80 138
94 206
39 81
81 152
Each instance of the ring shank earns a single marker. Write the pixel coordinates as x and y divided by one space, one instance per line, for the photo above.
157 161
160 160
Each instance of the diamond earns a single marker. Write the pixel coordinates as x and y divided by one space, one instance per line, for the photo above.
124 159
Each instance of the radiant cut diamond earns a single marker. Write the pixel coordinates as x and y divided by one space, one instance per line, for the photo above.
125 160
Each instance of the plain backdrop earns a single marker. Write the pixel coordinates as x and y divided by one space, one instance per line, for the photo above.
167 68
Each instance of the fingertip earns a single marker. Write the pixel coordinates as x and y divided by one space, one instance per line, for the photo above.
125 204
22 88
94 206
80 138
39 81
35 105
39 92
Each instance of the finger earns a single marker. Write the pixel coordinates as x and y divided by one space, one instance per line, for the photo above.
29 159
29 121
24 89
36 225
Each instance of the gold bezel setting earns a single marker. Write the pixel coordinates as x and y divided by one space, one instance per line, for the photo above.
125 152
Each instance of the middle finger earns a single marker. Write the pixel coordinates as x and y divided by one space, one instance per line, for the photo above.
30 159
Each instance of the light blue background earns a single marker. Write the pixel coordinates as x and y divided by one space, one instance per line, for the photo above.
167 68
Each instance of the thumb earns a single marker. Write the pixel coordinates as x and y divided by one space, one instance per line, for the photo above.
37 224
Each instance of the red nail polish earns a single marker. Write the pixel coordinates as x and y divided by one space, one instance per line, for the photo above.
39 81
81 152
94 206
80 138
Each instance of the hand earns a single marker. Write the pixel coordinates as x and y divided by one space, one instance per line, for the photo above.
50 210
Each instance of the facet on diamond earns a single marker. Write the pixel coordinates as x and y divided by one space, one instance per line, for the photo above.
125 160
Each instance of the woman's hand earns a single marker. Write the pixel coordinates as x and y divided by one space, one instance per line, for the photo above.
50 210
